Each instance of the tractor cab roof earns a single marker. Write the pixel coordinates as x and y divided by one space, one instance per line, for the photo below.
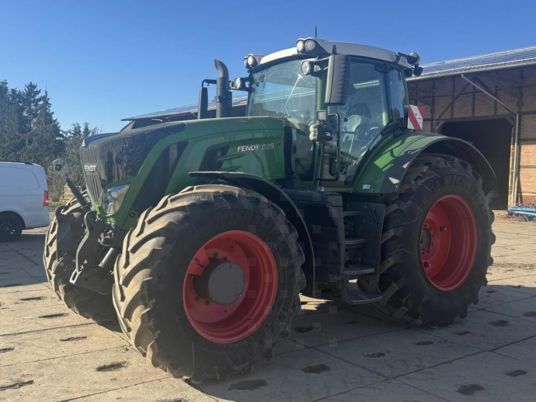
311 47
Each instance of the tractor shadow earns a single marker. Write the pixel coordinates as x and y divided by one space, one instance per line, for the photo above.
334 347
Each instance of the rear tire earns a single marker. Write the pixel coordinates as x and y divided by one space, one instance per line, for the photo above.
428 275
60 264
11 226
165 312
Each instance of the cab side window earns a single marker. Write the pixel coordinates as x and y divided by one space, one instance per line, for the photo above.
365 112
397 93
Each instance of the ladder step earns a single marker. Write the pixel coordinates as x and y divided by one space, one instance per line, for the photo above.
353 294
358 270
354 242
351 213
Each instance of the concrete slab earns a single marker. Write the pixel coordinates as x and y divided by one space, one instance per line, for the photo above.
166 389
523 282
57 342
483 377
485 330
335 326
75 376
299 376
524 351
22 287
493 295
506 269
389 390
397 353
31 297
524 308
25 317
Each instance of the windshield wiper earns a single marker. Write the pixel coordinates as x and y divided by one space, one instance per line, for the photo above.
292 92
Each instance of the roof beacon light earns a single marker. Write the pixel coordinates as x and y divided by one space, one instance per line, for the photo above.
250 61
413 58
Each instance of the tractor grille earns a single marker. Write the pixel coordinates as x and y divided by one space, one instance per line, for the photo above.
114 158
90 168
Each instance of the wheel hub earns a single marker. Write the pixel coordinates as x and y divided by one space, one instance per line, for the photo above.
230 286
225 283
448 242
426 238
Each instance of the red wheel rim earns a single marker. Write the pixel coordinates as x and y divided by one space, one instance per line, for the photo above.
448 242
234 321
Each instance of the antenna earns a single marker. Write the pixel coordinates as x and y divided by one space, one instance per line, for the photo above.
316 32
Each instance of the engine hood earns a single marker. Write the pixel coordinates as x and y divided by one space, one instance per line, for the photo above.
249 144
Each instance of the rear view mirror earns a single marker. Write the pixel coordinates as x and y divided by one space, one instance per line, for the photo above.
336 80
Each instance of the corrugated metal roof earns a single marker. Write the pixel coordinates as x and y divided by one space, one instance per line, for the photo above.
484 62
184 110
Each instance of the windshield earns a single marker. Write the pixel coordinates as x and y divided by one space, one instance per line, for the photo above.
282 90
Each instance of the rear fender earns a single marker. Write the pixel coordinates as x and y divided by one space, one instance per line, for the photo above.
386 168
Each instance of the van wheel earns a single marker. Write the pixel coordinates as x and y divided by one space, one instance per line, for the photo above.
64 234
11 226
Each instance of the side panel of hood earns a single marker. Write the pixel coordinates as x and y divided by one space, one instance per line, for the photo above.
147 160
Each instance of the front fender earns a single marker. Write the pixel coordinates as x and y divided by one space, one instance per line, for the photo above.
387 166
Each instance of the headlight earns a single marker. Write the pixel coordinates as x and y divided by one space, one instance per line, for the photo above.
114 198
310 45
305 45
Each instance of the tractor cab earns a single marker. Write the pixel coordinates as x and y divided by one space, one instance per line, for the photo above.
340 98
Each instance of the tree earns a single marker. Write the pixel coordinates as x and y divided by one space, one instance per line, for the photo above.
10 138
44 140
29 132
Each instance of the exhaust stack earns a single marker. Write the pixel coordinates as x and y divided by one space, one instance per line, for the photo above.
223 93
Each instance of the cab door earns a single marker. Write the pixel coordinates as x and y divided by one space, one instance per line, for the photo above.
368 108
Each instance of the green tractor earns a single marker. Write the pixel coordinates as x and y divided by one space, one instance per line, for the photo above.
200 235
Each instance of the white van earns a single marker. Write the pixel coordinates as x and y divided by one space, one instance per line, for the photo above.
23 198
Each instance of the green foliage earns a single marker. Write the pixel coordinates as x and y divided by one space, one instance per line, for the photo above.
29 132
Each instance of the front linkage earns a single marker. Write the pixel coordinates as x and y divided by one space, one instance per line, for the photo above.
95 255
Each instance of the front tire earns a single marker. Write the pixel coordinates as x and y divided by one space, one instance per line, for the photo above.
436 243
59 262
208 280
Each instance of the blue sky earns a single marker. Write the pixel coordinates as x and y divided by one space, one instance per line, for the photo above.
105 60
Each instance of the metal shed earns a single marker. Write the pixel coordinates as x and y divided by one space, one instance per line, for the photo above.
489 100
